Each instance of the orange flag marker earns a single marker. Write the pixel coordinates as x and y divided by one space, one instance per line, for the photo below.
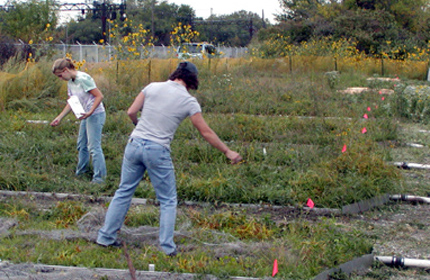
344 149
275 268
310 203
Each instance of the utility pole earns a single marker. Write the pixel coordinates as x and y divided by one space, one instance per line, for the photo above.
107 10
251 28
152 18
104 11
262 17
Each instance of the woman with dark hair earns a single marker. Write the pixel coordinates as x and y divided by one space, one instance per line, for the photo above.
164 106
187 72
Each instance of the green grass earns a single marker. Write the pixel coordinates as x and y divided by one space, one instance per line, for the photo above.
304 248
37 157
290 129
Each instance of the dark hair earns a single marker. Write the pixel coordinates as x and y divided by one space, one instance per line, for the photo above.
189 78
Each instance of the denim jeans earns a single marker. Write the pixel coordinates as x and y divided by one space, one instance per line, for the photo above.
90 143
142 155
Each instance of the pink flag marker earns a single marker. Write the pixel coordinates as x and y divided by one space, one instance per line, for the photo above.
380 92
383 98
376 106
310 203
368 109
364 130
365 116
344 149
275 268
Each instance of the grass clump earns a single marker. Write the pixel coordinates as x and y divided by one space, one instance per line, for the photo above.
62 215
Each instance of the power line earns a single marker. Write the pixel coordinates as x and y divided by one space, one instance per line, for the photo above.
248 23
102 10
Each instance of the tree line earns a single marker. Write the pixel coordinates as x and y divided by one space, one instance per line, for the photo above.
25 20
373 25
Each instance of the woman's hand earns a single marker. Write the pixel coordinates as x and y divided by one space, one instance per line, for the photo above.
233 156
55 122
85 115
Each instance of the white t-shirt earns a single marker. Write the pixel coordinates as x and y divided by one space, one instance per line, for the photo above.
166 105
80 87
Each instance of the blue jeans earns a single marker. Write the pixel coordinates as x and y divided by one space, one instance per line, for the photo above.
142 155
90 143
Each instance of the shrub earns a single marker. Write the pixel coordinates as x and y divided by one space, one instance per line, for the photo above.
413 102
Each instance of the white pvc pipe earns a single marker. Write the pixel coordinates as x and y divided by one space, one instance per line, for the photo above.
406 197
412 165
415 145
417 263
403 262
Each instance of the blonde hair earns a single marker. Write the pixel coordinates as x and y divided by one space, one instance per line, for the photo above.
62 63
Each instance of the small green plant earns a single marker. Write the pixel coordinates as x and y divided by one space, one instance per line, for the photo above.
138 216
14 212
65 214
333 78
235 223
414 102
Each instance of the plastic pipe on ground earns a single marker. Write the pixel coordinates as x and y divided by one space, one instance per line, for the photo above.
403 262
405 197
405 165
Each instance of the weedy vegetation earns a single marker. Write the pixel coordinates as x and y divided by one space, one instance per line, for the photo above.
289 123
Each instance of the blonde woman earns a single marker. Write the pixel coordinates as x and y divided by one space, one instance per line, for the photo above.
82 86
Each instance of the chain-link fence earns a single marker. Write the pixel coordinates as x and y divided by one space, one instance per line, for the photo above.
100 53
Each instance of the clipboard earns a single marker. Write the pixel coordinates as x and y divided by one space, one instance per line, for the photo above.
76 106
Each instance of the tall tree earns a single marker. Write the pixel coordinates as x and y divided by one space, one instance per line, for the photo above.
28 20
161 17
84 30
156 17
236 29
406 12
300 9
370 23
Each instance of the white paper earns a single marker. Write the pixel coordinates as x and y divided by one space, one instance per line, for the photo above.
76 106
